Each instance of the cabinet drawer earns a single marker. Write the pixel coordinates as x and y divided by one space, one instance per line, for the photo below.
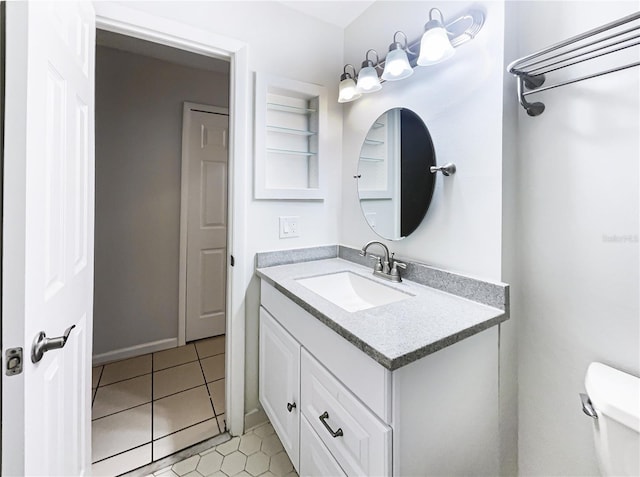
315 458
364 446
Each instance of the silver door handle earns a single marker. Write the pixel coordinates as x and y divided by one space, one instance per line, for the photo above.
42 344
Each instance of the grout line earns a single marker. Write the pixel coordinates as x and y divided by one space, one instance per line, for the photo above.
122 380
93 398
123 410
215 416
188 427
120 453
181 391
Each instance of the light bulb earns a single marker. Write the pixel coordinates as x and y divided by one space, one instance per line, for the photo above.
347 91
396 65
435 45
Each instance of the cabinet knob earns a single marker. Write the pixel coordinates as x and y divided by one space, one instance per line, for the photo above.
291 406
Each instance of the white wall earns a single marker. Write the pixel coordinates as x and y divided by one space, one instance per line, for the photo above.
578 184
460 101
138 159
285 42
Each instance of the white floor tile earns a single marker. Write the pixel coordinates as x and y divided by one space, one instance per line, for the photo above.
173 357
120 432
210 346
280 464
125 369
181 410
121 395
95 376
182 439
185 466
210 463
234 463
216 389
257 463
249 444
176 379
213 367
122 463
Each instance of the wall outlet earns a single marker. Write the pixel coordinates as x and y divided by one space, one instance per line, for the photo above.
289 227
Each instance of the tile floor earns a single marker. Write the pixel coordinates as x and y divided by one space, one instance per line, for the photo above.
257 453
151 406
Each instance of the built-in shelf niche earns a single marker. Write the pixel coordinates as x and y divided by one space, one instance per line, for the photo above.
376 167
289 131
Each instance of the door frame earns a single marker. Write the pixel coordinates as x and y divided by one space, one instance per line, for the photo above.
127 21
184 193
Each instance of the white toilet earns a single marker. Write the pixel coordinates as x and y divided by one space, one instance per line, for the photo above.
613 401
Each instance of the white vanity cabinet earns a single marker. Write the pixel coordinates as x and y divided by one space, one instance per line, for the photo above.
437 415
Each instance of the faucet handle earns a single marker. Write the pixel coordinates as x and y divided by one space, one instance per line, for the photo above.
378 265
395 274
399 264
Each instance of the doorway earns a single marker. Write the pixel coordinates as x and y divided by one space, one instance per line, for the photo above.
152 397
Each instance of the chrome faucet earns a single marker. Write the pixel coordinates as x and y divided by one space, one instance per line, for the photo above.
386 267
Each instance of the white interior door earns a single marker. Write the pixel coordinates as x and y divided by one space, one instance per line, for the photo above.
47 247
206 156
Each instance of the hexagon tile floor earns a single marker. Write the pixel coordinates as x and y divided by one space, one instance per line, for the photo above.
259 452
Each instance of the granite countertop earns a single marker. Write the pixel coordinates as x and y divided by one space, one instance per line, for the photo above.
396 334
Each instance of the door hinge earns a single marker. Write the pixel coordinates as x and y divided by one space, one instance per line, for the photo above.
14 361
232 261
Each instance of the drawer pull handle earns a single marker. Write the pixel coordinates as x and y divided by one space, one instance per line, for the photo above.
291 407
325 415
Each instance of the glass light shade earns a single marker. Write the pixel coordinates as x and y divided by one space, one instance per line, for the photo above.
368 81
396 66
347 91
435 46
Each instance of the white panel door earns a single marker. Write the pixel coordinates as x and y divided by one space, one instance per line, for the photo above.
207 165
47 245
279 383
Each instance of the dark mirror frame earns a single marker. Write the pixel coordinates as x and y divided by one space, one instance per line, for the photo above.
416 182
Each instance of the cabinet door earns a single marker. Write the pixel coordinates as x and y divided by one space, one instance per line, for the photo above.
280 383
315 458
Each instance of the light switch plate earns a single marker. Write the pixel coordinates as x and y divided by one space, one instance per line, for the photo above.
289 227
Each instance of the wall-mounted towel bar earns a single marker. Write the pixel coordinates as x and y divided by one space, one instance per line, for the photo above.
531 70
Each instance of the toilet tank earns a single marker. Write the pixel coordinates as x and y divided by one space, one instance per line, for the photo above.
615 397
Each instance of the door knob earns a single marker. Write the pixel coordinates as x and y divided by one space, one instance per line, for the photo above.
42 344
290 406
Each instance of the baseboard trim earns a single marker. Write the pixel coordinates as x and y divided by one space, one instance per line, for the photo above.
132 351
254 418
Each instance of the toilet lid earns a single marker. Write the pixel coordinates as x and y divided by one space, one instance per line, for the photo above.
615 394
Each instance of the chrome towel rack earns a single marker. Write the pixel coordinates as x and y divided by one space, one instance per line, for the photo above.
531 71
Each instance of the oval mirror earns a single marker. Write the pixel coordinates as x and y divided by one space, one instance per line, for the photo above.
395 184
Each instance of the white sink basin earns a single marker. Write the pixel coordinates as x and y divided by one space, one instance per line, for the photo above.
352 292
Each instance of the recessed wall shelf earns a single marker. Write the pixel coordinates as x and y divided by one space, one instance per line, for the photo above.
290 109
372 159
289 138
373 142
292 153
299 132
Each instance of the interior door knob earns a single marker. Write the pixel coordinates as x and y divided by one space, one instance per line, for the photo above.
42 344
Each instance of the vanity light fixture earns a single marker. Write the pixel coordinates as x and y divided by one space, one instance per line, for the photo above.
435 45
347 89
368 81
396 65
